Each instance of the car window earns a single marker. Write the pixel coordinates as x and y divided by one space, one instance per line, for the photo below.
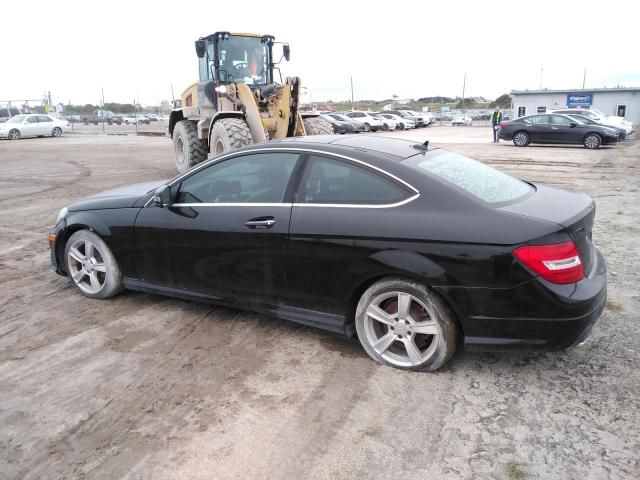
253 178
33 119
560 120
44 119
330 181
4 112
480 180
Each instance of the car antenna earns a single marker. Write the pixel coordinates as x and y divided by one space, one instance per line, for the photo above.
422 146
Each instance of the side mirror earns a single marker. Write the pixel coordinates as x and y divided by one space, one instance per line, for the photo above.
201 48
286 51
162 197
573 124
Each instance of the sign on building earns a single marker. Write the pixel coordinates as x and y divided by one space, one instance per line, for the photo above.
579 100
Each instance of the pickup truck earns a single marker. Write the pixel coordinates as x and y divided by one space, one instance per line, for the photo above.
100 116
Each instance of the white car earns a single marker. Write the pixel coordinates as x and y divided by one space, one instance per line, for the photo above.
599 117
389 124
402 123
462 120
129 120
368 118
32 125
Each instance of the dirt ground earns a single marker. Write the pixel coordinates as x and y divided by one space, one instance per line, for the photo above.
147 387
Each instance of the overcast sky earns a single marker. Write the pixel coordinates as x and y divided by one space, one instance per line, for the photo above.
411 49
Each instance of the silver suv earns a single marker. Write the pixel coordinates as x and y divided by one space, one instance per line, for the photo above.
7 112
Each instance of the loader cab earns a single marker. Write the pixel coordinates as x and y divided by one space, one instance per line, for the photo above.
236 58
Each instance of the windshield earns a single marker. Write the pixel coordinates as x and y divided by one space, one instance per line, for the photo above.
244 60
17 119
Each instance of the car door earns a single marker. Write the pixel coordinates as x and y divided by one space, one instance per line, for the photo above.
45 125
30 127
337 222
539 129
225 235
562 131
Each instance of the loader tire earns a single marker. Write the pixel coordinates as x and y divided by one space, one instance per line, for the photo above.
228 134
317 126
189 149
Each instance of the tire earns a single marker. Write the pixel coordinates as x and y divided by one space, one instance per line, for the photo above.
228 134
188 148
430 351
14 134
317 126
86 121
91 266
521 139
56 132
592 141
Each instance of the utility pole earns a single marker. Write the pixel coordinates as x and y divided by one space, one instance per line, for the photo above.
352 104
464 84
103 115
540 78
584 77
173 98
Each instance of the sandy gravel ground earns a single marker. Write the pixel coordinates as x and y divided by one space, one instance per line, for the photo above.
146 387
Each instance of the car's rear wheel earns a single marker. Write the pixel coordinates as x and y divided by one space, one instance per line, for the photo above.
521 139
405 325
91 265
14 134
57 132
592 141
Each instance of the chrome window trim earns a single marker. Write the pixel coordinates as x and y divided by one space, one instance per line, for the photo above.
297 204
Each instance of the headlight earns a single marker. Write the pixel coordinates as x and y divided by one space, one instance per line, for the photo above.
62 214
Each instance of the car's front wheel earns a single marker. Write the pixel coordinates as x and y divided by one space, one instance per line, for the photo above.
405 325
592 141
91 265
14 134
57 132
521 139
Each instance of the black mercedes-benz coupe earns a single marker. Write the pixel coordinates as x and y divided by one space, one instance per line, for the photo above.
418 251
555 128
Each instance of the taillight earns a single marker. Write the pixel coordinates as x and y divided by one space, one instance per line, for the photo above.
503 125
558 263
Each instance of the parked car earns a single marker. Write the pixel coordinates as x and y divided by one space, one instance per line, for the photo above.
7 112
608 120
339 126
553 128
99 116
389 124
387 239
464 120
358 126
143 119
372 121
622 133
129 120
32 125
402 123
416 117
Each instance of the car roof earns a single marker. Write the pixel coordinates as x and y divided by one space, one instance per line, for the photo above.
372 144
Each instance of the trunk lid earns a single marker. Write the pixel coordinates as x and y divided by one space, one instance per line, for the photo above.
572 210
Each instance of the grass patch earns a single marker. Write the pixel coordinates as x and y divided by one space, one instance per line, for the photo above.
515 472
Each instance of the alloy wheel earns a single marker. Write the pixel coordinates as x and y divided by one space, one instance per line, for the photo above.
402 329
86 266
14 134
592 141
520 139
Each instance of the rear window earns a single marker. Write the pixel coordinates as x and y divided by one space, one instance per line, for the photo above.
483 182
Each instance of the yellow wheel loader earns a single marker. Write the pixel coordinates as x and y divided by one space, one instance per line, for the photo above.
237 100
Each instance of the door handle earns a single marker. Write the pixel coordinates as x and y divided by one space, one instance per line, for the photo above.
555 128
261 223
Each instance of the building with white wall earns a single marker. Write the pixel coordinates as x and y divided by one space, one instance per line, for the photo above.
623 102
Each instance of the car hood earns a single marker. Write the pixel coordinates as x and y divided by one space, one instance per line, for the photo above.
120 197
